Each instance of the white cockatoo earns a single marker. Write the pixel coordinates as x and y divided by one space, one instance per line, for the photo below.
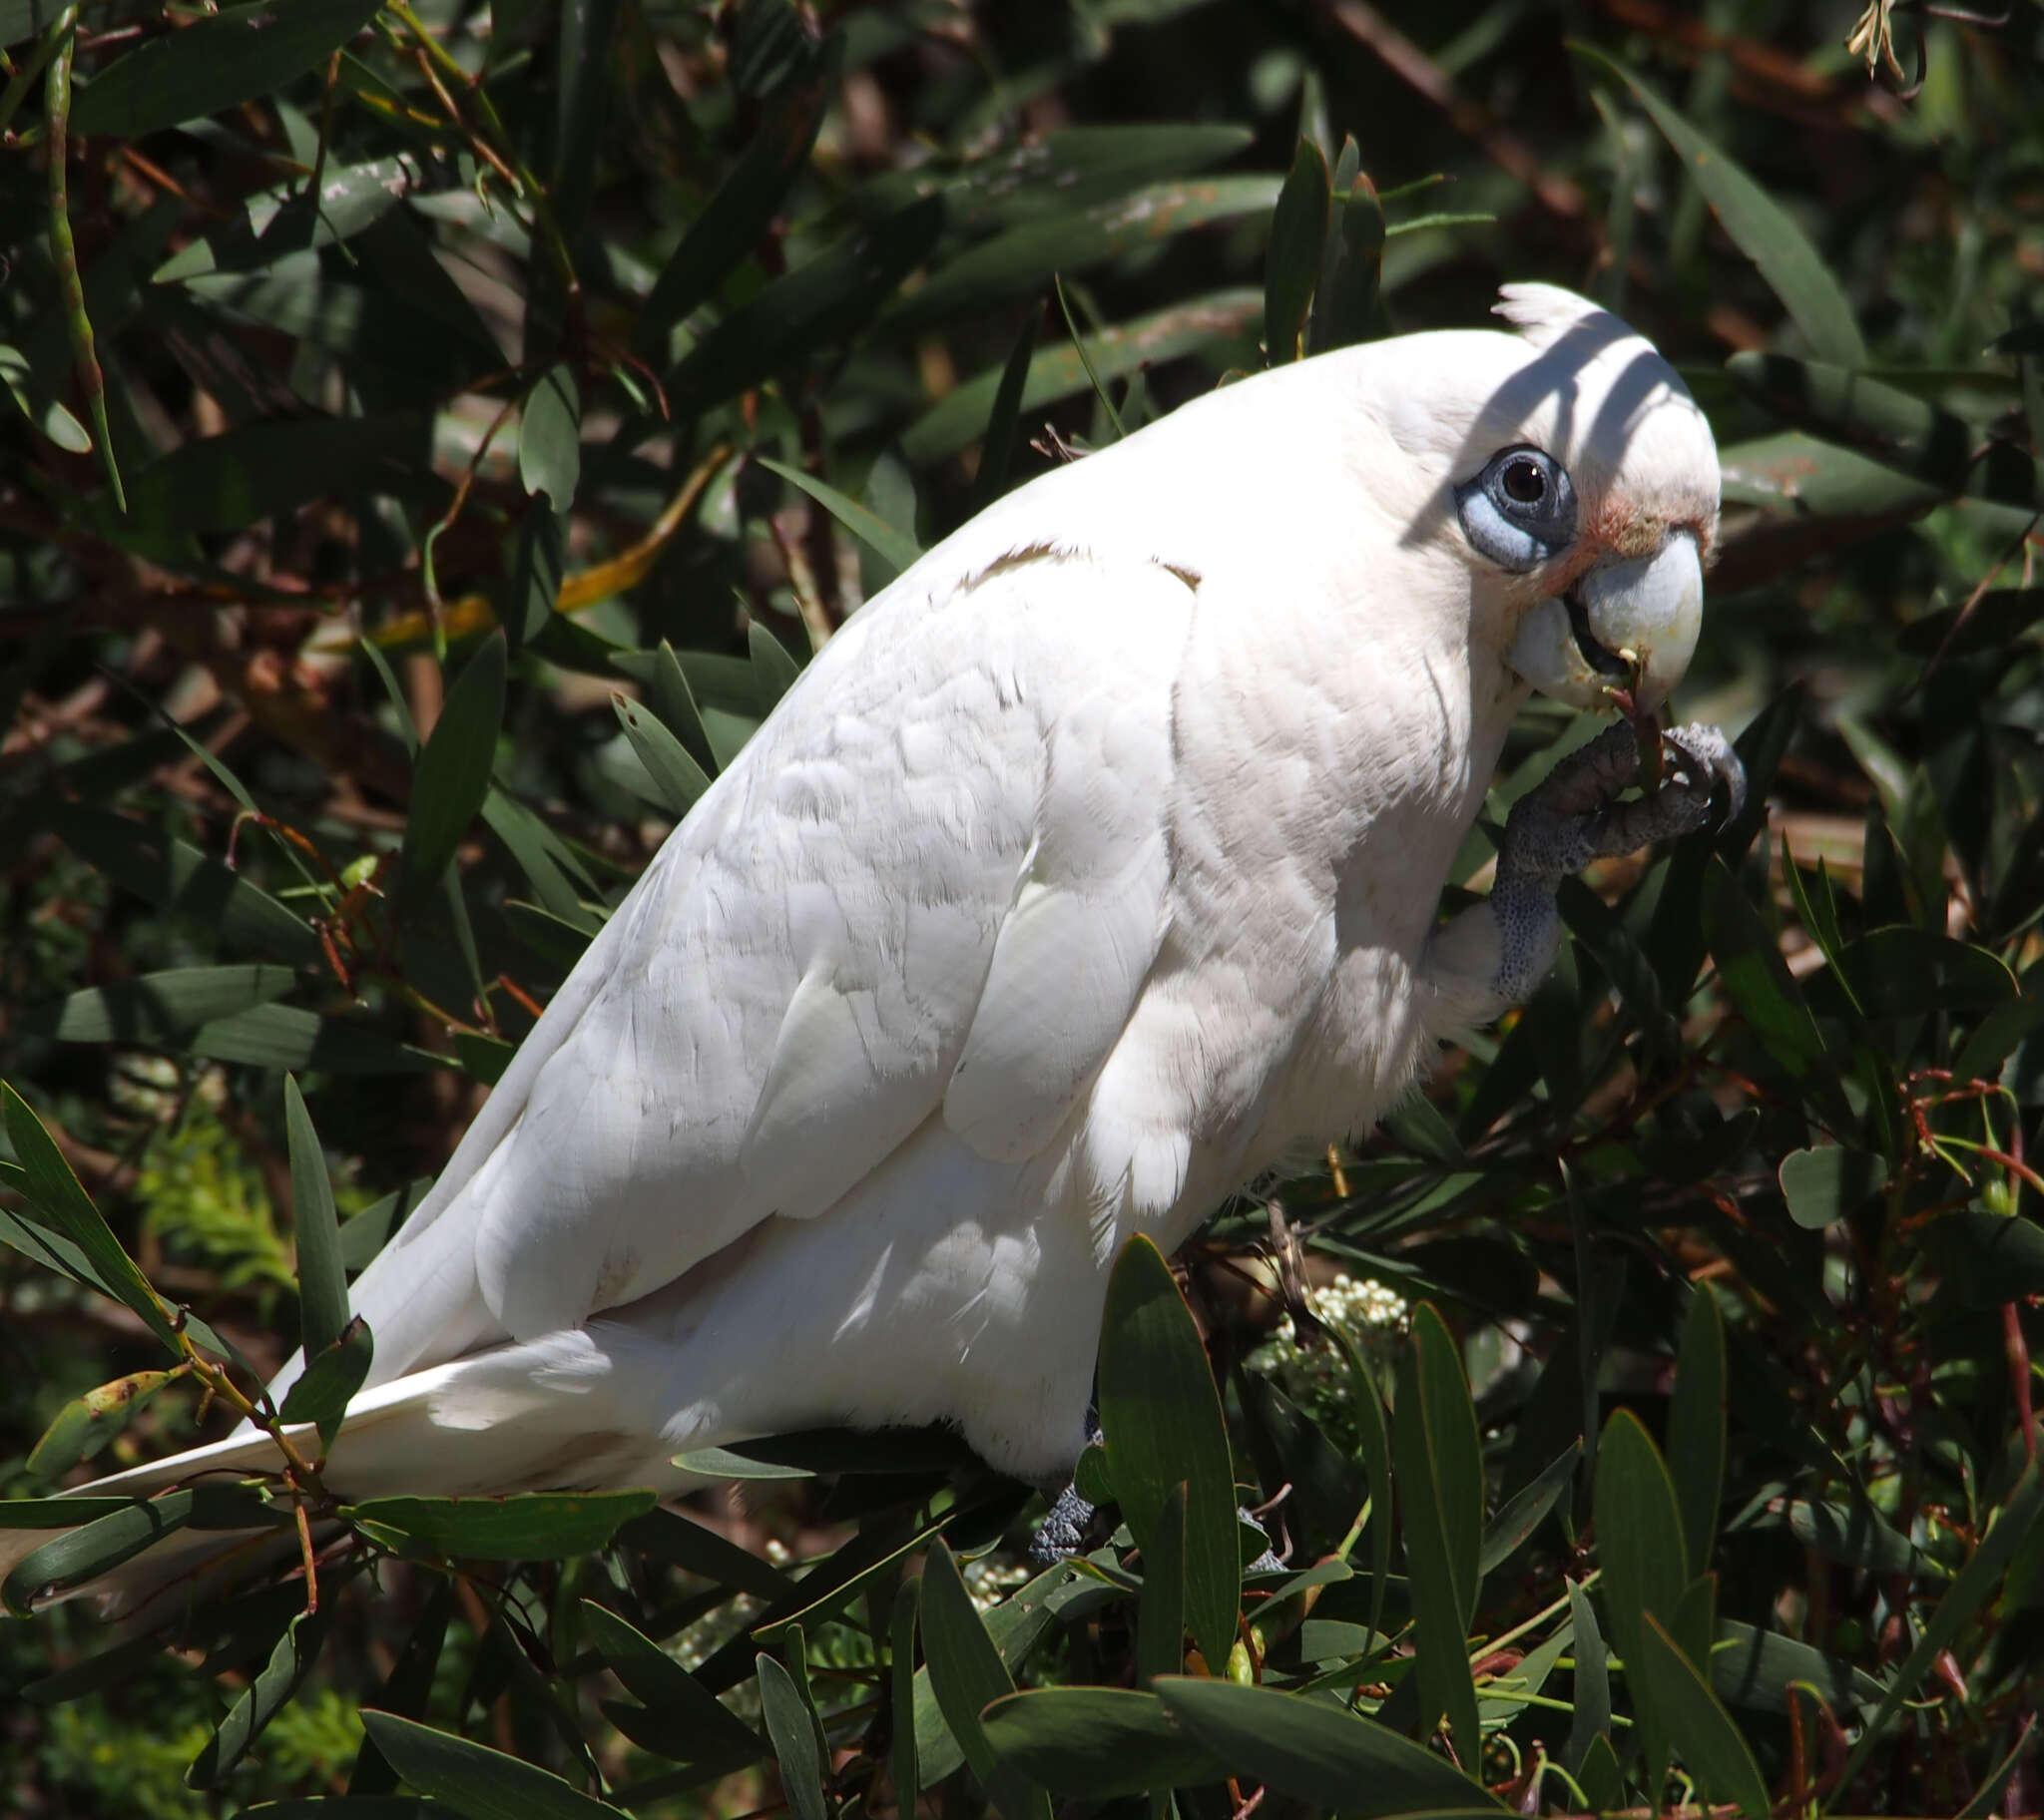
1090 872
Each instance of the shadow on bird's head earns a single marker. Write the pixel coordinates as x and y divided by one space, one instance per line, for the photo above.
1579 480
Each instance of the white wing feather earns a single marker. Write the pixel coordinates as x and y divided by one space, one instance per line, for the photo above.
958 851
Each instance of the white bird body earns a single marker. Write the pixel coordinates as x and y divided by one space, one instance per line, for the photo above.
1090 872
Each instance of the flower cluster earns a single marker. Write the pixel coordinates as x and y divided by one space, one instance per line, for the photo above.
991 1577
1313 1371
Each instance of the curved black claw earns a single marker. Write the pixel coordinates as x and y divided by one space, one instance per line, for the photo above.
1704 756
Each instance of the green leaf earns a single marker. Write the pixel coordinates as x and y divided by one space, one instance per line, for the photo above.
550 437
734 218
56 1200
1161 1615
283 1035
1603 1781
772 44
966 1676
670 694
1438 1457
691 1722
92 1549
1375 1437
998 444
57 1513
262 470
1516 1521
1099 1742
1639 1543
791 1724
1986 1259
1815 480
30 390
481 1783
1908 973
1328 1488
1057 372
1696 1424
1895 428
406 1689
1993 623
1825 1185
1753 973
1701 1729
1761 1669
1590 1723
530 617
772 667
1856 1535
703 1552
285 220
86 1424
1351 267
723 1463
368 1232
322 1283
1641 1549
1317 1752
525 1526
452 775
827 1588
261 1701
1758 228
1291 267
584 44
894 546
331 1380
1163 1426
236 54
108 1668
1100 391
902 1755
816 304
678 781
544 858
1073 168
1024 260
187 883
155 1007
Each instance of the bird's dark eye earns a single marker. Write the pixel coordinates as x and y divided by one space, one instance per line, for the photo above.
1520 510
1523 481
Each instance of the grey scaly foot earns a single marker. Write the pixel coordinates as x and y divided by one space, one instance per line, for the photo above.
1070 1520
1063 1530
1574 815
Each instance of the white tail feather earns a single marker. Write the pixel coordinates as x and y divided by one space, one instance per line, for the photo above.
515 1417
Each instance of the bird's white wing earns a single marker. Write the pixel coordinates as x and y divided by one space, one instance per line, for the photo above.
1085 925
935 879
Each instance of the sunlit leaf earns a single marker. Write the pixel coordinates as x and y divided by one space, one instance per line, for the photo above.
481 1783
452 774
234 56
525 1526
1317 1752
1758 226
57 1200
967 1674
1097 1741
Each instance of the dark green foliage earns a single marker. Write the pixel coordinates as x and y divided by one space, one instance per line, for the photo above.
549 381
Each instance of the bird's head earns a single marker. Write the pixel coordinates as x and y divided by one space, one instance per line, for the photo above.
1575 477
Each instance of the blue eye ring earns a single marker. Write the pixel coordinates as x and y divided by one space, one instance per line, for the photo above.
1520 510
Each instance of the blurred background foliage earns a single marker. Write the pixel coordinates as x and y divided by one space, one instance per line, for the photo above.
386 573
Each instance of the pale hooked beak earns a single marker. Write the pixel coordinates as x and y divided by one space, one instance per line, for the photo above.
1621 620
